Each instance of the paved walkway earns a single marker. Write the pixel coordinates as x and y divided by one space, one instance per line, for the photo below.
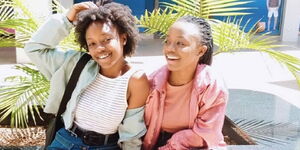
241 70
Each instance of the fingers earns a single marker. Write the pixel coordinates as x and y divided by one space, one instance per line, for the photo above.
85 5
76 8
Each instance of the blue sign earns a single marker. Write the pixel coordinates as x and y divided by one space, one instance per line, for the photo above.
265 16
267 12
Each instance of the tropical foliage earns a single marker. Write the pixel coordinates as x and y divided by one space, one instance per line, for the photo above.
229 35
22 98
31 90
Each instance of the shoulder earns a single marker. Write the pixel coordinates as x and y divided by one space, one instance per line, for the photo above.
138 82
207 78
158 78
139 77
162 71
138 89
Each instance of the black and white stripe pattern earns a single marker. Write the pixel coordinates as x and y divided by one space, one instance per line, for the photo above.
102 105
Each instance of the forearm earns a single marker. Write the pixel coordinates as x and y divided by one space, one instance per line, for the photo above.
56 28
41 47
184 139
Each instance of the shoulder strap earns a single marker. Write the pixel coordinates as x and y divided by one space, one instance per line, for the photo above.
72 82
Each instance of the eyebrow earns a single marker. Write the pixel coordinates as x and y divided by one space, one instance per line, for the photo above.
102 35
176 36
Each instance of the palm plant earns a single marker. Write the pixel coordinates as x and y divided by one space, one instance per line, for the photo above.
29 91
229 35
24 96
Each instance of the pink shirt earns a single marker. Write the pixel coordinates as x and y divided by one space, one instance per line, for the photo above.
207 107
176 110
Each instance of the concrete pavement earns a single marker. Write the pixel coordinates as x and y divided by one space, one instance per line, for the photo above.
249 70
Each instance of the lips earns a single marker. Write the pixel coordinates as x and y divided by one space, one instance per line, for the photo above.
172 57
103 56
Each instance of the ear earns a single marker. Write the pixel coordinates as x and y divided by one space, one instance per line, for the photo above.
201 50
124 38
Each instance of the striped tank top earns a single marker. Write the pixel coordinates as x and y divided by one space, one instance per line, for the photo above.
103 103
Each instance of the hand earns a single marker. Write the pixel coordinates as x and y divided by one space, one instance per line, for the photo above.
76 8
166 147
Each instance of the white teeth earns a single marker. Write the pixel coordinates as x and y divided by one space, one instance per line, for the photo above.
103 56
172 57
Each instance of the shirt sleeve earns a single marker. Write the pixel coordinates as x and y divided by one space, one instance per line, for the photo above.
41 48
132 129
207 129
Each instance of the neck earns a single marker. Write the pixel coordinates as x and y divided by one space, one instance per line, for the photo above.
116 71
178 78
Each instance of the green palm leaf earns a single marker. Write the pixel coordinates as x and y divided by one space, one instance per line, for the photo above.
24 28
158 21
25 25
56 6
26 95
69 42
6 10
208 8
229 37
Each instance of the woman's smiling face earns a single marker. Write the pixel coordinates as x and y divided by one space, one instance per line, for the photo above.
105 44
182 47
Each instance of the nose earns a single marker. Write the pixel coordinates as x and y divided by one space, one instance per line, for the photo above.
100 47
169 47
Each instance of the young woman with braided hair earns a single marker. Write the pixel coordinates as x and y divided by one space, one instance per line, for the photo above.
186 106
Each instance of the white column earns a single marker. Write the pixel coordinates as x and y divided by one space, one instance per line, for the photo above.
290 21
41 9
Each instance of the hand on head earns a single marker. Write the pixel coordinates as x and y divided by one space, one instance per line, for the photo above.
76 8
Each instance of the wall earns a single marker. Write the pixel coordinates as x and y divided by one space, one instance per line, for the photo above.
291 21
40 9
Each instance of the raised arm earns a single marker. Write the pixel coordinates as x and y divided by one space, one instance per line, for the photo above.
41 48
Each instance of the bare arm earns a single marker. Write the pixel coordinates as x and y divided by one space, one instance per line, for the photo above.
133 126
138 90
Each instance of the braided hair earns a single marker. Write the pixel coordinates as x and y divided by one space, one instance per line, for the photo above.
206 37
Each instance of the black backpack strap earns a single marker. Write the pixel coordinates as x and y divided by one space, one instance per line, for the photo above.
72 82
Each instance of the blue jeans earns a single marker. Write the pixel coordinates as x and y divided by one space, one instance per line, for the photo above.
64 140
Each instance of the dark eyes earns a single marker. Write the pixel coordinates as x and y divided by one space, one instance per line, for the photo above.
178 43
91 44
105 41
166 41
